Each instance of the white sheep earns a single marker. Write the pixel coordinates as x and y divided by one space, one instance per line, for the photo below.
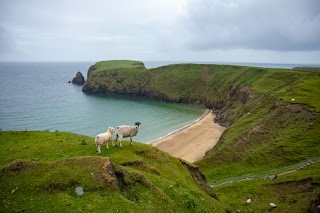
272 205
125 131
104 138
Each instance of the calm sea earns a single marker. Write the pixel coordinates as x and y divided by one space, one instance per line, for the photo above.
37 96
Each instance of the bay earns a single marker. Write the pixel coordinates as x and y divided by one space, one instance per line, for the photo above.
37 96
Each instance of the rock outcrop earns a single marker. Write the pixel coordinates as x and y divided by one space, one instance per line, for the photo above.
79 79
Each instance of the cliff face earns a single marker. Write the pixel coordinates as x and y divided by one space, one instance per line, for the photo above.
214 86
164 83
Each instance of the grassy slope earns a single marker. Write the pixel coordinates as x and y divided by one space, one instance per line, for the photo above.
277 127
40 171
268 128
273 113
277 132
292 192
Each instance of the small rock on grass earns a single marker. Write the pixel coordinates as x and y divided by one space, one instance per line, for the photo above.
79 191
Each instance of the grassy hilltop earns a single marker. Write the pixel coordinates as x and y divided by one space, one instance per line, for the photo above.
272 115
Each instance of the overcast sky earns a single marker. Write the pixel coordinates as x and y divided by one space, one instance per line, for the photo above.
266 31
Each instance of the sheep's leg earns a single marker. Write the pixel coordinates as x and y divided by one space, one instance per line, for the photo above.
116 141
130 141
107 145
120 143
98 148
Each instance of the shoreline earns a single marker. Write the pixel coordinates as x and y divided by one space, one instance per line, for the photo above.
156 141
192 141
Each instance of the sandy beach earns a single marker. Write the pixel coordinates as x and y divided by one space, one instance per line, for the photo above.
193 141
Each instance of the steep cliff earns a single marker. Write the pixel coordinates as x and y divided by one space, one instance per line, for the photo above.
214 86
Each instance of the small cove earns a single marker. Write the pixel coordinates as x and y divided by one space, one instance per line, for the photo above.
37 96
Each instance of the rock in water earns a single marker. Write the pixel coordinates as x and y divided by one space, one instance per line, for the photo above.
79 79
79 191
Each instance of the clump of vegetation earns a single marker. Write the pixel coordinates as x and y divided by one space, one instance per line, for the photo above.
83 142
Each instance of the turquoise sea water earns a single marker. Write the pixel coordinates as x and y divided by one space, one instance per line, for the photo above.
37 96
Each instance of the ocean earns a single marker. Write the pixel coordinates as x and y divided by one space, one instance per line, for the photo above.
37 96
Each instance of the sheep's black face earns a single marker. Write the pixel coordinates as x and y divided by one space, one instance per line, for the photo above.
137 123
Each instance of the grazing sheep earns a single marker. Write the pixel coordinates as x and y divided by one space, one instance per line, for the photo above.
104 138
273 177
272 205
125 131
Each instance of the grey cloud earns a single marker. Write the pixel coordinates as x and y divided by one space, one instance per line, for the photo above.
159 30
7 43
263 25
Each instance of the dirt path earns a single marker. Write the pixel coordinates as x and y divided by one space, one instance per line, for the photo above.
192 142
267 175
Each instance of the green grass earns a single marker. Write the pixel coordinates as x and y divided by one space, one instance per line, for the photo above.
273 122
272 113
292 192
291 86
40 170
118 64
273 116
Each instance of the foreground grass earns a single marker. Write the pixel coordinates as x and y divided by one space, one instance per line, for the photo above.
40 171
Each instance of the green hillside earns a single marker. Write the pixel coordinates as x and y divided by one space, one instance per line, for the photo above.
40 171
272 115
273 124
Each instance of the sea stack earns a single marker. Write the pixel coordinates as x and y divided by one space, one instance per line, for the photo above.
79 79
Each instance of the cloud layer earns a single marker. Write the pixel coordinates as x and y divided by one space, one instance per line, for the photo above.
225 30
288 25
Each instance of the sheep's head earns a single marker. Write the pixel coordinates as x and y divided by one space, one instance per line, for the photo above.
111 129
137 123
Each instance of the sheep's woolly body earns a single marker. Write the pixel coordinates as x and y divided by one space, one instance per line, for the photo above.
104 138
126 131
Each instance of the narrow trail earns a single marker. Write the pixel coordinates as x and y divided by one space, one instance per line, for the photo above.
278 172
